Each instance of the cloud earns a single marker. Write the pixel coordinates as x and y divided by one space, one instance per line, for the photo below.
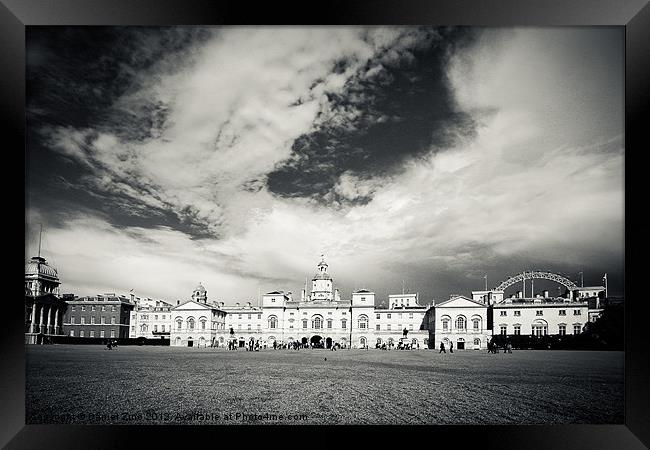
539 180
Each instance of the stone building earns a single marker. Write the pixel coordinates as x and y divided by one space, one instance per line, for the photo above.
151 319
197 322
461 321
44 308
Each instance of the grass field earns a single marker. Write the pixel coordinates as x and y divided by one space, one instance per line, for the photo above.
148 385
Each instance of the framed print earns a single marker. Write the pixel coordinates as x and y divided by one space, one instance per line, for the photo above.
396 219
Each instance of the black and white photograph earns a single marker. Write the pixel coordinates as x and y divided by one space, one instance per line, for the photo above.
324 225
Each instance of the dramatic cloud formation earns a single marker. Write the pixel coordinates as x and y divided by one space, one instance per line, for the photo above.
239 155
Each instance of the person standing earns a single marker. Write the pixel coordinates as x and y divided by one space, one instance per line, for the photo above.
442 348
451 347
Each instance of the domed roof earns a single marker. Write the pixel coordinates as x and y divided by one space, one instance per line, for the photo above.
199 288
38 267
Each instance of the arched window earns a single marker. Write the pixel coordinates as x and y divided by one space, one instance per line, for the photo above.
143 328
445 323
203 320
190 323
273 322
362 341
179 323
363 321
476 323
317 322
460 323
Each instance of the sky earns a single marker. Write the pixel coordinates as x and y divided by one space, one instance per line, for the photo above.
413 158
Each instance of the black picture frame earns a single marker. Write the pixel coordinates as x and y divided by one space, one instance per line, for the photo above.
634 15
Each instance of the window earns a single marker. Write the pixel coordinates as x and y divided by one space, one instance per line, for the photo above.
249 317
113 309
73 308
411 327
304 323
163 328
517 313
259 316
143 328
445 325
329 323
344 323
92 308
399 326
81 333
317 322
363 299
410 315
179 324
92 320
273 322
363 321
378 316
378 327
190 323
113 320
388 316
577 328
388 327
103 309
460 323
72 333
239 326
539 330
562 330
83 320
155 317
239 316
503 313
249 326
562 312
539 312
517 330
83 308
399 315
259 326
101 333
112 333
576 312
503 329
477 324
203 324
273 300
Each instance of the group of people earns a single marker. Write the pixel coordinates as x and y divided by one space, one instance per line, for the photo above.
111 344
443 350
494 348
400 346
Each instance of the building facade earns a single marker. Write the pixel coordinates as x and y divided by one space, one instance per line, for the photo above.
150 319
460 321
540 316
197 322
103 316
44 308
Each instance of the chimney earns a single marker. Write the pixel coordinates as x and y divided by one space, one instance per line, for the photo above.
248 304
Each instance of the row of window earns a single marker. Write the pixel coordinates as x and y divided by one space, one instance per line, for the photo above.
92 308
461 324
540 330
82 320
155 316
145 328
91 333
540 312
399 315
399 327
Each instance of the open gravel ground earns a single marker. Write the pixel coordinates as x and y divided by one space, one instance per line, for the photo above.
170 385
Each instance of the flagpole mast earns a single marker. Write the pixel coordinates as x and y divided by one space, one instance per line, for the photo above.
40 236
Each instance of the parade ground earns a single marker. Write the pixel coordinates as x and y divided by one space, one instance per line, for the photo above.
172 385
